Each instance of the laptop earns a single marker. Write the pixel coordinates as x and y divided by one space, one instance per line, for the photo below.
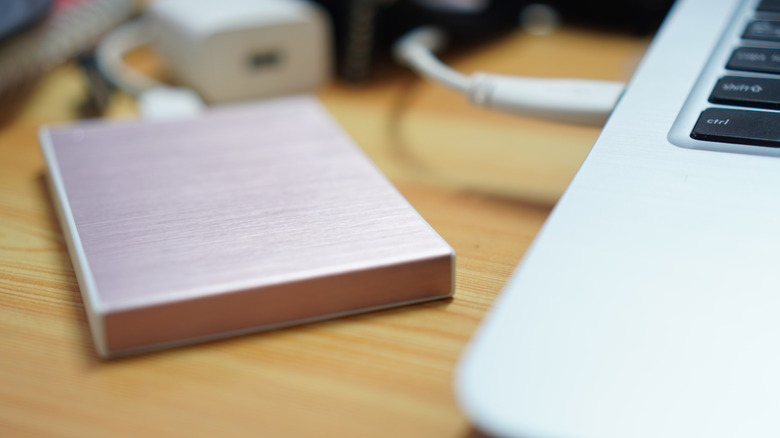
649 304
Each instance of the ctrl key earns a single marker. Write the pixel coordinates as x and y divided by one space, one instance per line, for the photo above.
758 128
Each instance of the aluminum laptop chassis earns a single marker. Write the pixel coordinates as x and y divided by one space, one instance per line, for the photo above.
649 304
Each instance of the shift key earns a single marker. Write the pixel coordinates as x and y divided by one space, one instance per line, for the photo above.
757 128
746 91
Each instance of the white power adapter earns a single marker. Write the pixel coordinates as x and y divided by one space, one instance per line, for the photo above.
243 49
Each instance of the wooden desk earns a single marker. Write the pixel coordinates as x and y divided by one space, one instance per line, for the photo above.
484 181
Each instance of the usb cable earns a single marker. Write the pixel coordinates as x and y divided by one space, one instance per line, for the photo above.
576 101
155 99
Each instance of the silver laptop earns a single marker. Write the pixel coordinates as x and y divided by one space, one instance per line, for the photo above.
649 304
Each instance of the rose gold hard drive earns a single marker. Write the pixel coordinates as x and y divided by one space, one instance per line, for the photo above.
244 218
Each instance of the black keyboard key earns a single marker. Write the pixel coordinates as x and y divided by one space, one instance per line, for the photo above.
745 91
738 126
755 59
763 30
769 6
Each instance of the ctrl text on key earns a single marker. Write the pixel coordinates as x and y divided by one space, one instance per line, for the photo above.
718 121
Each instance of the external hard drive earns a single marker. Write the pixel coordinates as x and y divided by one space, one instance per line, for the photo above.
244 218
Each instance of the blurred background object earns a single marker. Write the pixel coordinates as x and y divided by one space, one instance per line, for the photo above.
365 29
17 15
242 49
37 35
40 35
232 50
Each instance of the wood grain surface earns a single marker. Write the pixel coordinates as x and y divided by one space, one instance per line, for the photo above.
486 182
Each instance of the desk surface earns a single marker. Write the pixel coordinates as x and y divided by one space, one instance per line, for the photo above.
486 182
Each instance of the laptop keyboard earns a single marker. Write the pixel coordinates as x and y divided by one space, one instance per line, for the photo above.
735 106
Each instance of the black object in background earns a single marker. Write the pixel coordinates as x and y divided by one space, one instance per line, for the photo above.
98 88
365 28
18 15
636 16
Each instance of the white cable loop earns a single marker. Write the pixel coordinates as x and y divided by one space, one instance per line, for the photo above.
155 99
416 48
110 57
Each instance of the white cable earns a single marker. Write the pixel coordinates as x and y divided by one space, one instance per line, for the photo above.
578 101
155 99
110 57
416 48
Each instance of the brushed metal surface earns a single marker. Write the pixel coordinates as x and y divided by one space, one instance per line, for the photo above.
248 216
648 305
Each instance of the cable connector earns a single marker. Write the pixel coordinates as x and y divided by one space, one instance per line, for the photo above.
576 101
169 102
